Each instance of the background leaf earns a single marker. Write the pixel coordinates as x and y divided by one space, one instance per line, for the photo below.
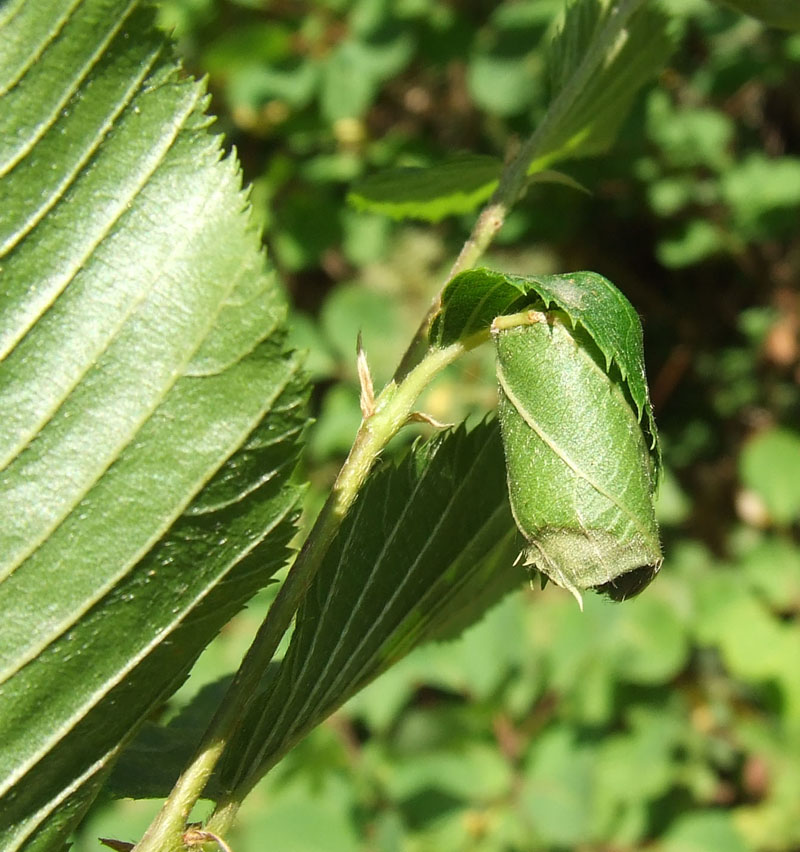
151 415
456 185
770 466
775 13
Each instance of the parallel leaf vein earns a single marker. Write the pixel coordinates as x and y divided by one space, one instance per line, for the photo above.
133 428
52 34
121 674
35 216
456 493
18 329
107 588
69 92
376 570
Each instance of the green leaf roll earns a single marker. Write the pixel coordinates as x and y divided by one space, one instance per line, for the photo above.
581 476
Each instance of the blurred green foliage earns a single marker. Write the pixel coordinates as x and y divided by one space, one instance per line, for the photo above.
671 722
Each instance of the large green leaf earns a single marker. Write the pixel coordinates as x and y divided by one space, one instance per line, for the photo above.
426 542
150 412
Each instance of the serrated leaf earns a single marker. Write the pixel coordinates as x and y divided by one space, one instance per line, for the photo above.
151 414
473 299
589 120
422 540
454 186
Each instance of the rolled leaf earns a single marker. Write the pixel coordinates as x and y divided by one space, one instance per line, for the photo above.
581 478
472 301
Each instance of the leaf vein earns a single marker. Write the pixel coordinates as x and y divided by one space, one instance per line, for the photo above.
28 145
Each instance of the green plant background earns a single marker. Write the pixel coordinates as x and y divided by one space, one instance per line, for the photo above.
671 722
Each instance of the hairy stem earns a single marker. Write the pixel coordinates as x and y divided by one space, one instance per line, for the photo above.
392 408
514 178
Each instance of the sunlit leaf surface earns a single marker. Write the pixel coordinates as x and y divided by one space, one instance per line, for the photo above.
150 413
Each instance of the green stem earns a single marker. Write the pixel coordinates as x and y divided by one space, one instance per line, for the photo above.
392 409
514 178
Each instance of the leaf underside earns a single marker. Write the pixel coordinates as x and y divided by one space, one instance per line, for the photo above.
151 415
427 547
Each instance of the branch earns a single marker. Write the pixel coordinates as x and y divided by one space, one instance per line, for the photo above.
391 410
